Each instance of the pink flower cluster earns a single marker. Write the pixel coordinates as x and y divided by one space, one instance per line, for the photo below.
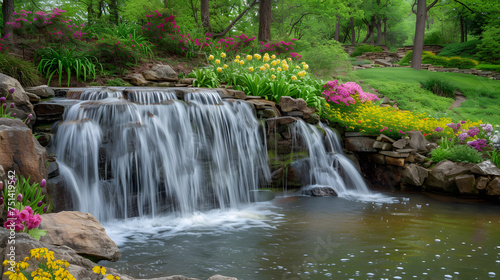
346 92
280 47
161 24
22 220
478 144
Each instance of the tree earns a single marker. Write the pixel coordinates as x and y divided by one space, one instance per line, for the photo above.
418 44
265 20
8 16
205 15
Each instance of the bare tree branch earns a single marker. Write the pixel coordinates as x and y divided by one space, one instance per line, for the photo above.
235 20
465 6
297 21
432 5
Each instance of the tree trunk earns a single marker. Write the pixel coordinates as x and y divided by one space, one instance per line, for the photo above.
205 14
379 32
337 28
372 25
166 4
265 20
8 16
418 44
462 37
385 32
353 32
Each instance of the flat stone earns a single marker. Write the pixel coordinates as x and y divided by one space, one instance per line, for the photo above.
385 138
385 146
419 158
486 168
493 187
281 120
443 175
417 141
220 277
33 97
42 91
395 161
320 191
360 144
401 143
466 184
482 182
238 94
136 79
288 104
181 85
394 154
376 158
188 81
354 134
406 150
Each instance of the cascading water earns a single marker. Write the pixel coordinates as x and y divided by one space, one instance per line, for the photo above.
326 165
142 152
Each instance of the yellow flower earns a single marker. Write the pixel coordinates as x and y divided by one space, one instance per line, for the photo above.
110 277
250 69
266 65
257 56
272 69
242 62
219 69
273 63
304 63
278 61
217 61
289 59
210 57
249 57
223 55
99 269
294 78
273 56
301 73
273 77
278 69
266 58
225 66
237 57
237 60
263 68
305 66
285 67
15 276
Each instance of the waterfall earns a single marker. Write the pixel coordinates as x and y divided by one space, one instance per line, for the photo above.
143 152
326 166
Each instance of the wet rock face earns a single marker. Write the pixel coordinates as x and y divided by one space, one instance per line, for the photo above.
320 191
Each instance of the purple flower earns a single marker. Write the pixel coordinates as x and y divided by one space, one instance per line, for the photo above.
24 216
486 127
44 209
463 136
11 105
439 129
1 186
1 200
11 91
19 197
40 203
30 116
4 106
473 131
43 183
2 99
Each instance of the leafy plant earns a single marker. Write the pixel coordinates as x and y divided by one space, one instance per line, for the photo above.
47 267
205 78
117 82
255 85
24 71
440 87
495 157
465 153
440 154
67 61
359 50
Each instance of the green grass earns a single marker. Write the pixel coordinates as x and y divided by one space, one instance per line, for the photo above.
403 85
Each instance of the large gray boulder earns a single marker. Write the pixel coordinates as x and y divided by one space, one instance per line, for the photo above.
81 232
442 176
20 151
415 175
23 106
43 91
486 168
160 72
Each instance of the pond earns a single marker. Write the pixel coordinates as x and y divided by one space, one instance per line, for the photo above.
381 236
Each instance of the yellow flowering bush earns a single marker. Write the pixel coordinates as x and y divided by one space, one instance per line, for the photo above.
48 268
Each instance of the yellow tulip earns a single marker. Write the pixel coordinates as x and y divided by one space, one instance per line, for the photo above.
217 61
294 78
249 57
223 55
210 57
263 68
273 77
225 66
219 69
250 69
242 62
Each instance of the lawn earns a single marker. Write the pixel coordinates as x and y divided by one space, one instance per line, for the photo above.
403 86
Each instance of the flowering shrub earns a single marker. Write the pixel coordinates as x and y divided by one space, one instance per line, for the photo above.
4 108
48 268
345 93
100 270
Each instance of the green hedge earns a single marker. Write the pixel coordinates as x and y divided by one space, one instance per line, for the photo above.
448 62
359 50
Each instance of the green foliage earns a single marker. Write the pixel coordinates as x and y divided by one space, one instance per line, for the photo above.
31 195
466 49
495 157
450 150
440 154
24 71
65 61
431 58
115 57
488 67
326 59
489 50
365 48
205 77
117 82
433 38
255 85
440 87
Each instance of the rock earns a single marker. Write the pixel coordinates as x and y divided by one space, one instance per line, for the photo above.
280 120
314 119
482 182
220 277
188 81
466 184
394 154
320 191
44 138
161 72
48 112
376 158
43 91
33 97
385 138
415 175
410 158
81 232
385 100
442 176
419 158
405 150
136 79
20 150
23 106
288 104
417 141
486 168
238 94
431 146
401 143
360 144
395 161
58 194
354 134
173 277
165 84
385 146
493 187
261 104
